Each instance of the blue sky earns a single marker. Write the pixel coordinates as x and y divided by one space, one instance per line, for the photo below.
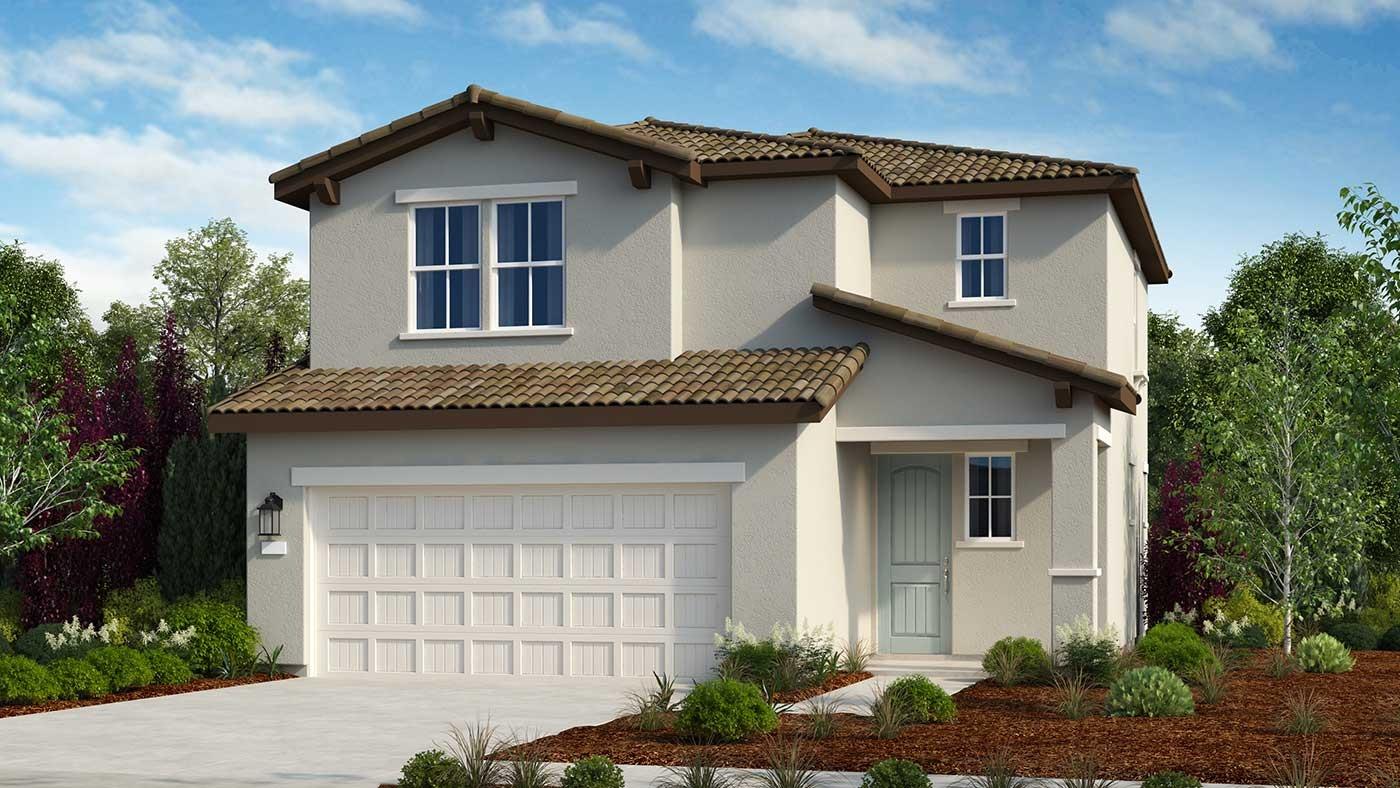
124 123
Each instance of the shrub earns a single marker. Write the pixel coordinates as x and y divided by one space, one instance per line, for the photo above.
1302 713
1013 660
895 773
1074 699
855 657
124 668
167 667
1382 610
77 678
1354 635
819 720
595 771
1323 653
1086 652
1149 692
475 748
1249 636
34 645
220 633
1242 606
1210 678
1174 646
10 628
789 658
887 715
699 773
202 533
1390 641
922 700
140 607
430 769
22 680
1280 665
1170 780
725 710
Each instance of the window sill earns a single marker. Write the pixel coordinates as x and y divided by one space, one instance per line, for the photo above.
989 544
490 333
982 303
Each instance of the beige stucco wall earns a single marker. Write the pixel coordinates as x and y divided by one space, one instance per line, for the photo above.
852 217
1055 272
619 257
764 508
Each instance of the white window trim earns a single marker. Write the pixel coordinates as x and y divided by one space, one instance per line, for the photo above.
414 269
488 266
968 538
1004 299
505 191
497 266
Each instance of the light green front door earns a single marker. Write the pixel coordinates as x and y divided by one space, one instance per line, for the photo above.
915 533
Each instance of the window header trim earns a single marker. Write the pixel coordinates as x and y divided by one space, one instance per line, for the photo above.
505 191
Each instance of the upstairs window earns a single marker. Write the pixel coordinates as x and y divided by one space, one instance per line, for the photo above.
989 496
981 256
447 267
529 264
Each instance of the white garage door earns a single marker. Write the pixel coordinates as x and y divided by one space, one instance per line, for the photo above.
534 581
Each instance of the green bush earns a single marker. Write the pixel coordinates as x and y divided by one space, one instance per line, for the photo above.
1026 655
1250 636
1241 605
1170 780
725 710
124 668
790 658
1149 692
922 700
23 681
1174 646
1390 641
220 632
595 771
5 647
139 608
203 528
1088 653
1382 609
1323 653
10 630
431 769
895 773
1354 635
167 667
34 645
77 678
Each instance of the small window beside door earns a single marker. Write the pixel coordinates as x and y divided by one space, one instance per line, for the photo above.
990 501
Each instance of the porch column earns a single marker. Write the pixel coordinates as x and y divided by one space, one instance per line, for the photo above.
1074 552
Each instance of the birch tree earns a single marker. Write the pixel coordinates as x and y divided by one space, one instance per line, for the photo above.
1284 492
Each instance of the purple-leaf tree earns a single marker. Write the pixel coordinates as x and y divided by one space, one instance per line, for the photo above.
1172 576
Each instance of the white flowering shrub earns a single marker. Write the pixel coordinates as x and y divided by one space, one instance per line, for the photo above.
74 637
790 657
165 637
1187 617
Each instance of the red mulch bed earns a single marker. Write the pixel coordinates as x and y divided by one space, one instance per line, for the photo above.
153 691
836 682
1235 741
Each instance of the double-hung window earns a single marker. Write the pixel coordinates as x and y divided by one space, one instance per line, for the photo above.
447 267
989 497
529 263
982 256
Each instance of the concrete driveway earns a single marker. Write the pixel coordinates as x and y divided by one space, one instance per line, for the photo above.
300 732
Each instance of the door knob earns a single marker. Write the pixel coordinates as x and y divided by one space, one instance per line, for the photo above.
947 575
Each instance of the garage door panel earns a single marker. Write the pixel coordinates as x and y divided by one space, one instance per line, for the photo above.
527 581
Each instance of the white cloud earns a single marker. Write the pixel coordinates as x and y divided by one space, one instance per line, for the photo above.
117 269
393 10
873 42
1195 33
242 82
602 26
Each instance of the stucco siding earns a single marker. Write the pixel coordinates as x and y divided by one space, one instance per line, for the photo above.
822 564
1055 270
856 471
852 216
619 257
764 508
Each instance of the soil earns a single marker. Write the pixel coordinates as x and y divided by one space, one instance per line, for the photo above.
1237 740
153 691
836 682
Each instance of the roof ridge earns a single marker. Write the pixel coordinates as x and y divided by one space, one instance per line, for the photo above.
761 135
963 149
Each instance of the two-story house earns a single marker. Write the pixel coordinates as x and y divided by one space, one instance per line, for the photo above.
578 392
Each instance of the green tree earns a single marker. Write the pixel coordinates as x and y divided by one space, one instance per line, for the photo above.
202 538
1282 454
227 304
1178 366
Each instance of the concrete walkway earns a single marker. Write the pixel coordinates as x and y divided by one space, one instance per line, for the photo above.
953 674
647 776
300 732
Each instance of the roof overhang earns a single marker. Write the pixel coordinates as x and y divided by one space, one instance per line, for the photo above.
1067 374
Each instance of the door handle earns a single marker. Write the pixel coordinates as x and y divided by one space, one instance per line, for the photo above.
947 575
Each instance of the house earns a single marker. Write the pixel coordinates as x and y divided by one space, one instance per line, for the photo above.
577 393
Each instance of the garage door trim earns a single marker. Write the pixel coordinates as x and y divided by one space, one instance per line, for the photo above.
470 475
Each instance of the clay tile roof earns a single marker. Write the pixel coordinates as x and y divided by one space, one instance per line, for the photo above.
815 376
713 144
1112 387
911 163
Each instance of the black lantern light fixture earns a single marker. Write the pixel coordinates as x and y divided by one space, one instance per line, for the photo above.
270 515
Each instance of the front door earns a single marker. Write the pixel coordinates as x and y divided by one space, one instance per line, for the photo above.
915 534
